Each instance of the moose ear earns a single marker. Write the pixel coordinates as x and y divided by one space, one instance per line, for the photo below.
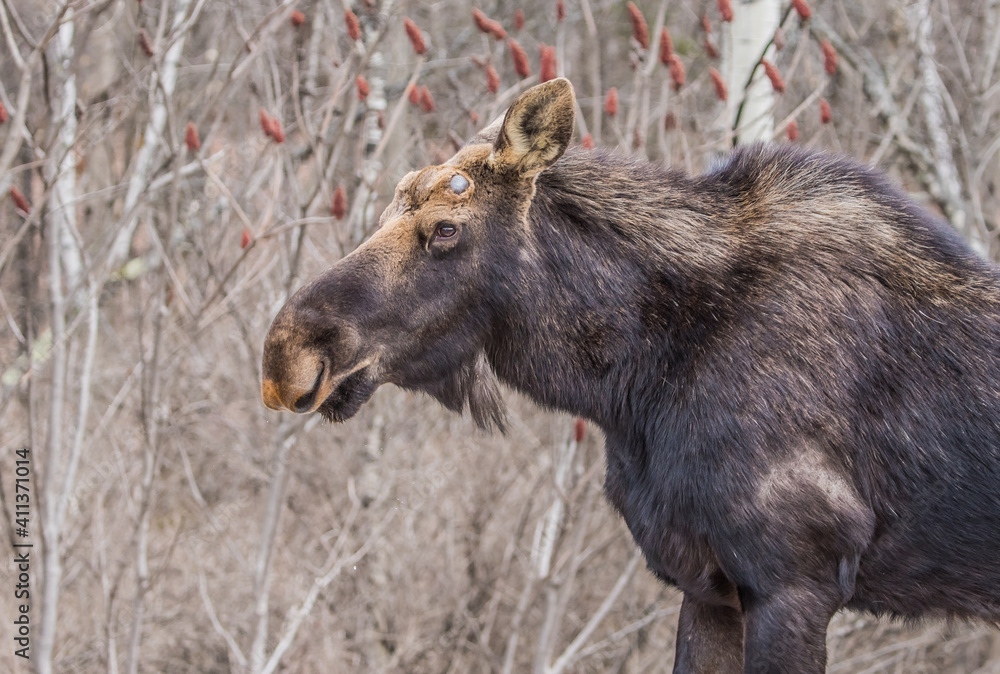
536 129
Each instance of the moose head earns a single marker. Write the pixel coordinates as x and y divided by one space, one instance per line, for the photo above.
415 303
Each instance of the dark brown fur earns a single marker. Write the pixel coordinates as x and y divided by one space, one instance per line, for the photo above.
794 366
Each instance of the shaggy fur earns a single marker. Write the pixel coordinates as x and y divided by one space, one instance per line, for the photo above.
795 367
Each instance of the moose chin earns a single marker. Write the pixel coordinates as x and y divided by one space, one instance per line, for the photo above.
796 368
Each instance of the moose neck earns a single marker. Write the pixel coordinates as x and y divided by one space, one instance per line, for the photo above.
627 269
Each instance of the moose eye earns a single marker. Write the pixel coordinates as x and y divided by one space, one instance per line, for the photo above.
445 231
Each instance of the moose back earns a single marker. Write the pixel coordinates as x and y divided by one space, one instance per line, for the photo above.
796 369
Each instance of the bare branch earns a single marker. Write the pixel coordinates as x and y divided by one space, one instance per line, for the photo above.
234 648
334 565
568 655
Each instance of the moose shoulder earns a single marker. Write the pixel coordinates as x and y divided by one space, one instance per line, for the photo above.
796 369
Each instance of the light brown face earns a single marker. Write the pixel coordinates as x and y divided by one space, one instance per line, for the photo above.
412 305
421 234
429 204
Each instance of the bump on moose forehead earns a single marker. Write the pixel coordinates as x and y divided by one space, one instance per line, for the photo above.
416 188
433 184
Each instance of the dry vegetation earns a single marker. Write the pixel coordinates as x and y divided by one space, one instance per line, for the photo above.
181 527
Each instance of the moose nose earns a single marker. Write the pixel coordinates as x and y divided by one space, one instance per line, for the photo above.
293 398
270 393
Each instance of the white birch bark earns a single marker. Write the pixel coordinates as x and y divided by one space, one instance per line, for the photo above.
594 63
51 561
372 165
753 26
64 260
932 101
62 158
548 529
162 85
142 558
17 132
287 433
548 532
312 61
363 209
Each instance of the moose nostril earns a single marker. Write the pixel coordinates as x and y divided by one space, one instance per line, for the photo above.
307 401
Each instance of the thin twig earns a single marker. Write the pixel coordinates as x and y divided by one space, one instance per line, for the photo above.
569 655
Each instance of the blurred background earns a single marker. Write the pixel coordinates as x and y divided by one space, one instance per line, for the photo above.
170 170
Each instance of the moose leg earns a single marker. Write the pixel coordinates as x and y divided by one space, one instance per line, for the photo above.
709 639
786 632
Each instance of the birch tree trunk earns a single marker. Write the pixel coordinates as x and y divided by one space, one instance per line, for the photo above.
64 259
750 108
265 550
363 213
932 100
62 157
161 85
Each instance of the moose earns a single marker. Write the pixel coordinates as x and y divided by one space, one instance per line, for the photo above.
796 368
